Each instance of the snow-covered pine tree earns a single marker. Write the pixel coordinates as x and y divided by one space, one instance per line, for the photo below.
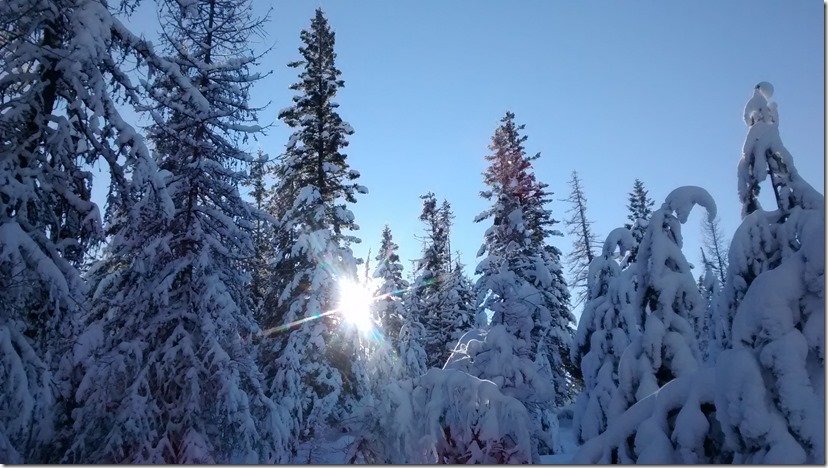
714 247
555 297
584 239
458 307
709 287
640 209
449 417
607 325
758 245
311 362
381 354
558 341
436 254
388 273
518 283
662 409
426 299
640 204
773 307
169 337
764 400
400 328
262 229
60 62
668 302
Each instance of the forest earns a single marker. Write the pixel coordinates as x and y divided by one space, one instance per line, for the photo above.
212 310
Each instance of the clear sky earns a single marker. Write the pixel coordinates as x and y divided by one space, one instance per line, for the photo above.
614 90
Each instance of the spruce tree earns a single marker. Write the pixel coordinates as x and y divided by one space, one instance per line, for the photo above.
761 159
262 229
667 301
715 247
607 325
457 312
709 287
393 355
175 364
61 63
584 239
426 299
640 209
437 220
763 402
520 285
773 305
390 311
310 368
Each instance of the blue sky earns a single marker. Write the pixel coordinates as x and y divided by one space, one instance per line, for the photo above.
614 90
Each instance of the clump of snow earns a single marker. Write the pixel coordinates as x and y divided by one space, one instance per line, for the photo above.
448 416
620 238
682 200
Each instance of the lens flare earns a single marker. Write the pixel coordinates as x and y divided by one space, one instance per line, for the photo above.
355 301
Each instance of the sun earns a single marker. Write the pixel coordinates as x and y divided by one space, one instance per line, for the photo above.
355 302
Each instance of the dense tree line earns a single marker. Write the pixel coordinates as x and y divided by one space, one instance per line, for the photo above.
187 322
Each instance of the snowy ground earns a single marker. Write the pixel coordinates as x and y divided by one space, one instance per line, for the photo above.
323 452
568 442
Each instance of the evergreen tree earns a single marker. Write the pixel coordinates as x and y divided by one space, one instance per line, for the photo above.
607 325
714 247
311 369
763 402
426 299
457 312
556 298
393 355
640 204
773 307
61 63
173 362
640 209
668 301
454 418
530 327
709 287
263 225
758 242
392 315
436 253
585 239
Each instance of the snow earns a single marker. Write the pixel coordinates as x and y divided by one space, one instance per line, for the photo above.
346 128
449 416
20 250
154 353
758 108
620 238
682 200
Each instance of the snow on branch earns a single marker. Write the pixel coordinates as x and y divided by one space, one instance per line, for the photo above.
682 200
